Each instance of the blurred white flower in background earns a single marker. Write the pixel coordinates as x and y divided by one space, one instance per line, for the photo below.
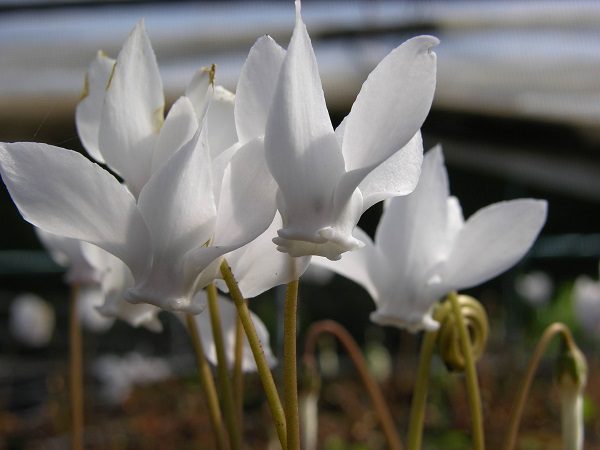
228 315
535 287
586 297
32 320
120 374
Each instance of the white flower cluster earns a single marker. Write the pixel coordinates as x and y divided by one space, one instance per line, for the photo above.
224 175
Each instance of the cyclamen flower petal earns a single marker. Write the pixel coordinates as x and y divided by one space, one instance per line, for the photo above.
424 249
63 193
180 126
391 105
256 87
89 109
322 174
133 109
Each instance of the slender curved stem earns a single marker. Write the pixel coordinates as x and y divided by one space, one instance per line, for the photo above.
542 345
417 407
262 366
290 372
76 372
225 387
471 375
373 389
207 383
238 373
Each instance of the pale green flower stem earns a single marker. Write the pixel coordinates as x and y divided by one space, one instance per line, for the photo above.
377 399
207 383
417 407
238 373
290 373
225 387
471 375
76 372
259 356
517 412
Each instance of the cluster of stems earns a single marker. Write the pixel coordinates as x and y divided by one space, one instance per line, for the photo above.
461 337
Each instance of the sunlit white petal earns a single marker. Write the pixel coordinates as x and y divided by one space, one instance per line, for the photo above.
256 87
492 240
392 104
89 109
62 192
180 126
133 111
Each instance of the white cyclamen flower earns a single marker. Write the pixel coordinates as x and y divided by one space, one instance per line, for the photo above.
328 178
424 249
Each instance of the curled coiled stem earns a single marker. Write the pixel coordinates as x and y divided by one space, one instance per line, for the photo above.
458 350
448 337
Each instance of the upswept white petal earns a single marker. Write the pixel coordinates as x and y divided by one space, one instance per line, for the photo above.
219 164
200 90
247 200
220 121
68 253
340 130
492 240
360 266
256 87
300 145
89 109
391 105
62 192
133 111
411 233
180 126
258 266
178 206
455 219
398 175
229 315
412 236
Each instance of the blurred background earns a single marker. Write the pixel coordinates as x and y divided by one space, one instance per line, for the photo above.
517 111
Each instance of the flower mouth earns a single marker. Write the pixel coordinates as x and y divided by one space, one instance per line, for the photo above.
412 323
327 242
168 303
